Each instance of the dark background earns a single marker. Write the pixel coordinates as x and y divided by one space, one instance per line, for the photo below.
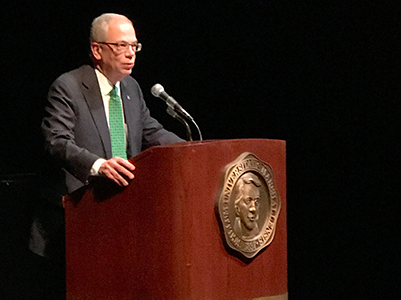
319 74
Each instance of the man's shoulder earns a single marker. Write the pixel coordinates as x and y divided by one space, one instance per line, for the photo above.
76 76
130 85
83 70
79 72
129 80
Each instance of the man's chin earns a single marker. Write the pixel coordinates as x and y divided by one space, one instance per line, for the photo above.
127 72
124 73
251 226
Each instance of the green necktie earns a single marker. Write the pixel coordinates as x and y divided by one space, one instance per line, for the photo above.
117 132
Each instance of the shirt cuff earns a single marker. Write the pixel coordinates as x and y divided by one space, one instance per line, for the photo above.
96 166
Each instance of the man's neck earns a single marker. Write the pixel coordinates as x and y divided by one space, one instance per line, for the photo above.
112 80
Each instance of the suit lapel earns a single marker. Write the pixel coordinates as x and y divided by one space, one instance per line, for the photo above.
93 98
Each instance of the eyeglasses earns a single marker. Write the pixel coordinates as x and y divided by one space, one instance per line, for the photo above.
124 46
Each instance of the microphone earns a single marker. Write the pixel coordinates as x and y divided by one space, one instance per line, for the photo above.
158 91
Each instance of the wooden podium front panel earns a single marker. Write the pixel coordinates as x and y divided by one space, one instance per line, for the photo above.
159 238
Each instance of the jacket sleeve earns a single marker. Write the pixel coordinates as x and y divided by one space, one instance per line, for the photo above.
58 127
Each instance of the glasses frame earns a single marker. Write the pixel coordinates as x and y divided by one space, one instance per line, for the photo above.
123 46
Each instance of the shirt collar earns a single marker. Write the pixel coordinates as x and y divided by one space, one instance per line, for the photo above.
105 85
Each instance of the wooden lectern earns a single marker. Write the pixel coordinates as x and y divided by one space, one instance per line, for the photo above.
159 238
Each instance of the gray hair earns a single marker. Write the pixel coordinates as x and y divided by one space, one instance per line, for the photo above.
100 26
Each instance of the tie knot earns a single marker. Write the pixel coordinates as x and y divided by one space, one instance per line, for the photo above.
114 93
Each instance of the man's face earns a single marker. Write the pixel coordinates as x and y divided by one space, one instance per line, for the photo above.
248 207
115 64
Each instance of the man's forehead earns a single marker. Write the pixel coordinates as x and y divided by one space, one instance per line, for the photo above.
120 23
121 29
250 188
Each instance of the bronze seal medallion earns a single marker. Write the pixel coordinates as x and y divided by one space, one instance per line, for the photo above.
248 204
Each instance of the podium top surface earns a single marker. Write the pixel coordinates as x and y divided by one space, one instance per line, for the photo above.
205 143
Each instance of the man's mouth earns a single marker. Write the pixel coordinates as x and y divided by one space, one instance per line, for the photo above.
252 218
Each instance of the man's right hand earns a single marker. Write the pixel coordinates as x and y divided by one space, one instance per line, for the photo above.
118 170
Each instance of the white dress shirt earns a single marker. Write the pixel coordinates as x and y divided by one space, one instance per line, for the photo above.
105 88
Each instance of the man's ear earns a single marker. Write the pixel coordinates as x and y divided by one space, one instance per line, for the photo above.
96 51
237 211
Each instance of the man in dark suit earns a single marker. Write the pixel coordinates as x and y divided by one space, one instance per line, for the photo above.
77 128
76 125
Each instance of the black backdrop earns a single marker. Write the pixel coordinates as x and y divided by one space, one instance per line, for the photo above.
320 75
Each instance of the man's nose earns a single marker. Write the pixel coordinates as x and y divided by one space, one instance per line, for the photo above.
130 52
252 206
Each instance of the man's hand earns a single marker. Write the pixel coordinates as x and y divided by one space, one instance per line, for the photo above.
118 170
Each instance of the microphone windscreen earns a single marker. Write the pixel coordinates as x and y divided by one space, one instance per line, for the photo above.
157 89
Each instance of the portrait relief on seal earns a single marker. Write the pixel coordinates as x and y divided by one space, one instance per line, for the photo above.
248 204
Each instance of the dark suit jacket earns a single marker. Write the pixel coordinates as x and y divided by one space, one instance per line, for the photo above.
77 134
75 126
